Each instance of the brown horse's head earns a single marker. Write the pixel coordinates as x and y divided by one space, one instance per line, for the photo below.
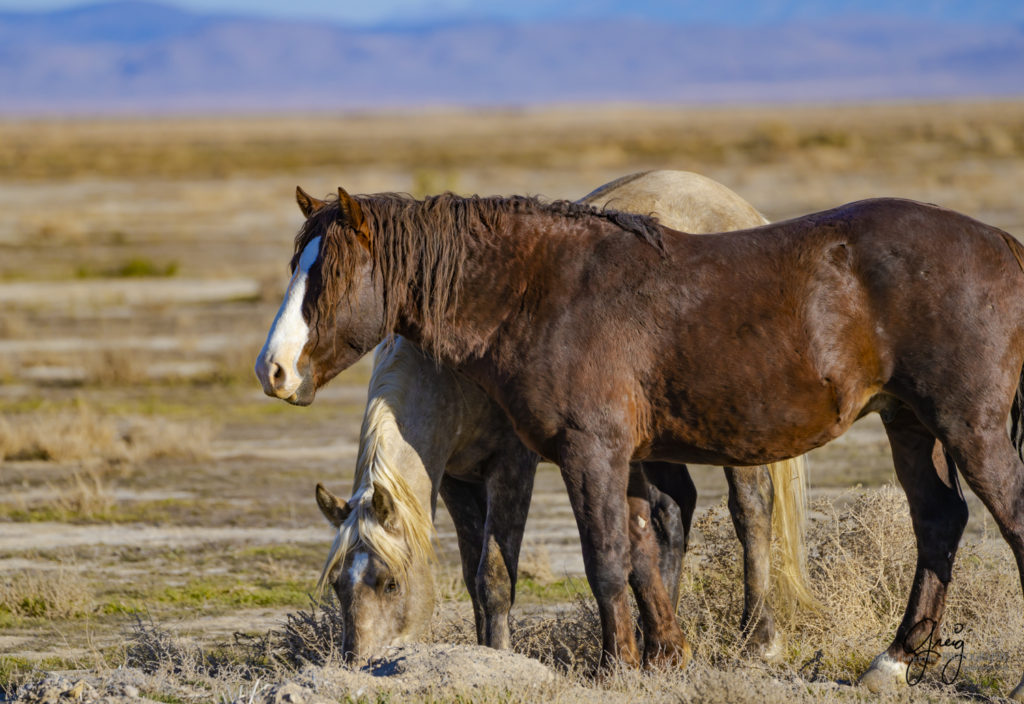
385 588
332 313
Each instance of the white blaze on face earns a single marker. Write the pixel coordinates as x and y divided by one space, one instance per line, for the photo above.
357 570
289 332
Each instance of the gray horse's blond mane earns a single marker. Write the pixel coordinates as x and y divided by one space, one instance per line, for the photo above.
408 536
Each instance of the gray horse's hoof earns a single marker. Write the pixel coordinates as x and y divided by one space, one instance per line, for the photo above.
884 673
763 641
773 649
769 651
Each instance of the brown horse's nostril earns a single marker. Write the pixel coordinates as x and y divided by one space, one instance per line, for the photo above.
276 375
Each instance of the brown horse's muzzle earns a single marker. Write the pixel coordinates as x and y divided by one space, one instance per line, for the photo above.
278 382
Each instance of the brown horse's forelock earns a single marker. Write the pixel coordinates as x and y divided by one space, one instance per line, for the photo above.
420 248
329 279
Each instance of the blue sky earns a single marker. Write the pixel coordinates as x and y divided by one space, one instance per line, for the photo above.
729 11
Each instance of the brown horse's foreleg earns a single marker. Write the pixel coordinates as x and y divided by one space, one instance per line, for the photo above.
939 513
673 498
750 504
467 503
596 477
509 482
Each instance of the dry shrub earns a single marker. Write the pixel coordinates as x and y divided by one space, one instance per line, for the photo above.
307 637
183 668
984 600
711 590
568 640
51 594
154 649
861 561
862 557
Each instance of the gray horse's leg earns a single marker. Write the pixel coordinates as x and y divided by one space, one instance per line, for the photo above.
467 503
673 498
939 513
750 504
509 488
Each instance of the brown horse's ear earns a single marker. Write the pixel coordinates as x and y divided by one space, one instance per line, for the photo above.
383 506
307 203
334 509
351 214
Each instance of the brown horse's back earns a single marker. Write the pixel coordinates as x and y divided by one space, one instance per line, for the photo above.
811 317
872 288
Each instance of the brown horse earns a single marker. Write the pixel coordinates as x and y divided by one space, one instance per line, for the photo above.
428 430
607 338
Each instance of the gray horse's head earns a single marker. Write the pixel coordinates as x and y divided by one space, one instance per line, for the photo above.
380 568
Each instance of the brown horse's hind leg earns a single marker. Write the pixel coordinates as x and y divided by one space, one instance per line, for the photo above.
750 504
939 514
995 472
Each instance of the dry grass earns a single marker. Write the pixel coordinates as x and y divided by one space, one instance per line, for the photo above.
84 495
435 145
84 434
862 560
50 594
61 436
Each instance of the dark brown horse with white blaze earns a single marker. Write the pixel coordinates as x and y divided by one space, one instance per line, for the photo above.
428 430
607 338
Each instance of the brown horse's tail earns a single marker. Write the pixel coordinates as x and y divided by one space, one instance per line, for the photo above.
789 519
1017 408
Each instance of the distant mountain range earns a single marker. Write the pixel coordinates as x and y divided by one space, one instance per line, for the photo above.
144 57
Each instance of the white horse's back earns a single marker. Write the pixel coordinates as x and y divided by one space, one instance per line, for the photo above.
681 200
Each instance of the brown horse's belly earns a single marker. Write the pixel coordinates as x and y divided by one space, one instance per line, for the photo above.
759 430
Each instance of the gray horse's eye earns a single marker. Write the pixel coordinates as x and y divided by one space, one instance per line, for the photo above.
391 586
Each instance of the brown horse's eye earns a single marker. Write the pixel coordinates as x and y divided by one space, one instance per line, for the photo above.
390 587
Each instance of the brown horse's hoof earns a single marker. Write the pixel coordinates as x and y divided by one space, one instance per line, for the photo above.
627 658
672 655
884 673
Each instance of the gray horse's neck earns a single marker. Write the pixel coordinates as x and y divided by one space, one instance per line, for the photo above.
419 421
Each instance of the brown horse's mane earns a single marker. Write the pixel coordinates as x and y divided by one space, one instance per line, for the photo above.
420 247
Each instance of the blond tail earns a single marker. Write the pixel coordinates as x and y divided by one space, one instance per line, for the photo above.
789 518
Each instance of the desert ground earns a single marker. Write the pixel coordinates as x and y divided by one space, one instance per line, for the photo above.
158 533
